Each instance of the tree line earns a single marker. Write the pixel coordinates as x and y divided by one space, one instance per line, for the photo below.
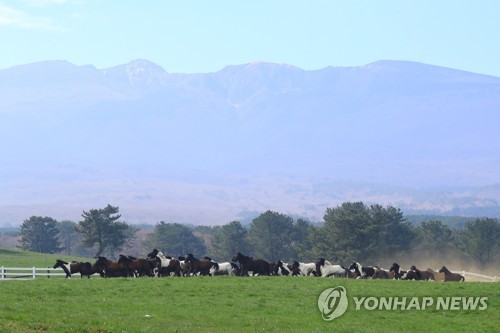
351 231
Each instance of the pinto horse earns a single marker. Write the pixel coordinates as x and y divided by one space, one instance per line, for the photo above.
166 265
84 268
326 269
304 269
224 268
247 264
449 276
363 272
280 269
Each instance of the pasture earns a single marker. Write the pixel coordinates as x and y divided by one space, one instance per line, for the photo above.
226 304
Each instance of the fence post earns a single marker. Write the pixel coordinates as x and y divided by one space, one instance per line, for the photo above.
3 273
48 272
34 273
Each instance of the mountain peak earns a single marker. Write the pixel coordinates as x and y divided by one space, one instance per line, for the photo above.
138 73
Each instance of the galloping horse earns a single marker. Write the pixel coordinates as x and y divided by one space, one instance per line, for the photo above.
280 269
84 268
137 267
108 268
304 269
422 275
449 276
199 266
326 269
224 268
396 269
363 272
256 266
166 265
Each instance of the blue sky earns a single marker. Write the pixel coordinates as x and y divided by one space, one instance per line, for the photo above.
204 36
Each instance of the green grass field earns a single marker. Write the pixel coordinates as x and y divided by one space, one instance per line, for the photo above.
228 304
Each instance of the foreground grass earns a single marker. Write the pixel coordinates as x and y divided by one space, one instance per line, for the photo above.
229 304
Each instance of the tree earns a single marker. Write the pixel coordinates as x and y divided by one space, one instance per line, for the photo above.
302 240
432 237
270 235
480 238
102 231
68 235
354 231
174 239
40 234
230 239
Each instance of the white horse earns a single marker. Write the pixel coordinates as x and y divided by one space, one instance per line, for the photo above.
325 269
224 268
305 269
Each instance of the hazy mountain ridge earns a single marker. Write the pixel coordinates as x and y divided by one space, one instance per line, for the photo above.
247 138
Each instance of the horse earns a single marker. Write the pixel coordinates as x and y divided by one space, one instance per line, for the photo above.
137 267
108 268
382 273
247 264
199 266
280 269
422 275
449 276
326 269
304 269
165 265
84 268
363 272
224 268
396 269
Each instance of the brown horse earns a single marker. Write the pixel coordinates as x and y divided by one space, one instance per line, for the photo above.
449 276
137 267
108 268
199 266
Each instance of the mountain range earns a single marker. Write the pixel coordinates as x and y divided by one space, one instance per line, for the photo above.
208 148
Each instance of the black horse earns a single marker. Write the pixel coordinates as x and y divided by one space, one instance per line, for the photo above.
422 275
397 271
247 264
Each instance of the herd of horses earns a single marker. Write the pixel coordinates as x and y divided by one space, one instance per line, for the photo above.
159 265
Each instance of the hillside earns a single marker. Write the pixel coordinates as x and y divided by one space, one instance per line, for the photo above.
207 148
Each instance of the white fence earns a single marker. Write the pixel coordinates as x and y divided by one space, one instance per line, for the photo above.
477 277
28 273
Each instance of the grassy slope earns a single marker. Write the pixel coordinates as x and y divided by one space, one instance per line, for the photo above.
15 258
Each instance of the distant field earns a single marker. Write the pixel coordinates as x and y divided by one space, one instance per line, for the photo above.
15 258
228 304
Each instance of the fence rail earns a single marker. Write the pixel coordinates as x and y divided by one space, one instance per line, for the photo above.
28 273
475 276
